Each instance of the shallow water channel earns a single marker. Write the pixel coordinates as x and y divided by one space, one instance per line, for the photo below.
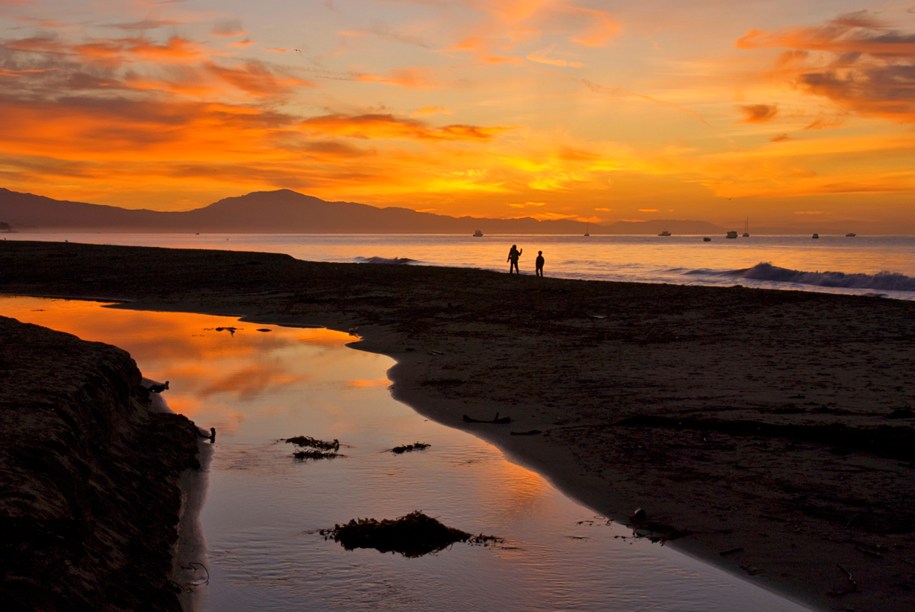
257 384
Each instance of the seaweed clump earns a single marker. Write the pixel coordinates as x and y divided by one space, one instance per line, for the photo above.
407 448
413 535
312 448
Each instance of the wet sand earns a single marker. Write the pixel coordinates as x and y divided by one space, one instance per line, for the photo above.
770 433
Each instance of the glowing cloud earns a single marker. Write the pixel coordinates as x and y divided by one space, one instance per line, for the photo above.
863 64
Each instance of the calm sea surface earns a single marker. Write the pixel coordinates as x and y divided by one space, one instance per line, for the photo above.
871 265
258 384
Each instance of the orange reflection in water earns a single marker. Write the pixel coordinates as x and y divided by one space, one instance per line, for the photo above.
227 374
220 370
520 486
364 383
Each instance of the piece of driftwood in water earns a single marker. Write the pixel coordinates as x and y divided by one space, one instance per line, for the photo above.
312 448
408 448
413 535
496 419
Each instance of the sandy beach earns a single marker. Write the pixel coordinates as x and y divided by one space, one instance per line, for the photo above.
770 433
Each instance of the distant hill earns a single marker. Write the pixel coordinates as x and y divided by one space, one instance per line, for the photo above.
24 211
286 211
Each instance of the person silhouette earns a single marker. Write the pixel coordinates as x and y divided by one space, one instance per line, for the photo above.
539 263
514 254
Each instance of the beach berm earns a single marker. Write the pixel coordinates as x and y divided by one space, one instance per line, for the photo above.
769 432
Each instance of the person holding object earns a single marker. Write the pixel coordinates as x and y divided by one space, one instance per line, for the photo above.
514 254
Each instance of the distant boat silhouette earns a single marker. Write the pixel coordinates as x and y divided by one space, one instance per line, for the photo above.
587 230
706 239
850 235
731 235
815 236
664 233
746 228
478 234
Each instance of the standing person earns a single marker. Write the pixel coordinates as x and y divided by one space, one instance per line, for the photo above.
539 264
514 254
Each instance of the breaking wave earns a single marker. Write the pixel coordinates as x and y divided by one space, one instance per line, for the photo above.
882 281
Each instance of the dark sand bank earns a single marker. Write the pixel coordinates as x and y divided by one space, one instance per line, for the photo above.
89 503
776 429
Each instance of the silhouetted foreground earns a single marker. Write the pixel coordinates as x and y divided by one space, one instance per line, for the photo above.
89 503
771 430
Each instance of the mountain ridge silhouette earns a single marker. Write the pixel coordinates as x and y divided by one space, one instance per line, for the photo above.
288 211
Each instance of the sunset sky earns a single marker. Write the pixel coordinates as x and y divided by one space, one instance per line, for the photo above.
783 111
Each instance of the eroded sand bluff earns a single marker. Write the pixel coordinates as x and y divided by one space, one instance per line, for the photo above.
89 501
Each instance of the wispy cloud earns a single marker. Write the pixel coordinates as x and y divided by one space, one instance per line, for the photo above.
257 78
403 77
619 92
512 30
229 28
390 34
121 51
144 24
548 56
390 126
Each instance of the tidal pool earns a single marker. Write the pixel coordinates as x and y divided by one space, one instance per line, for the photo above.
263 511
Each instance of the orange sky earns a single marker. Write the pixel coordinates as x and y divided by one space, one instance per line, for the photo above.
780 111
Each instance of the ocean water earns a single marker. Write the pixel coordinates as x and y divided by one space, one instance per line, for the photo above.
264 510
862 265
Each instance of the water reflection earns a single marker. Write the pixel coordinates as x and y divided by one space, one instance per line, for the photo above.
264 509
